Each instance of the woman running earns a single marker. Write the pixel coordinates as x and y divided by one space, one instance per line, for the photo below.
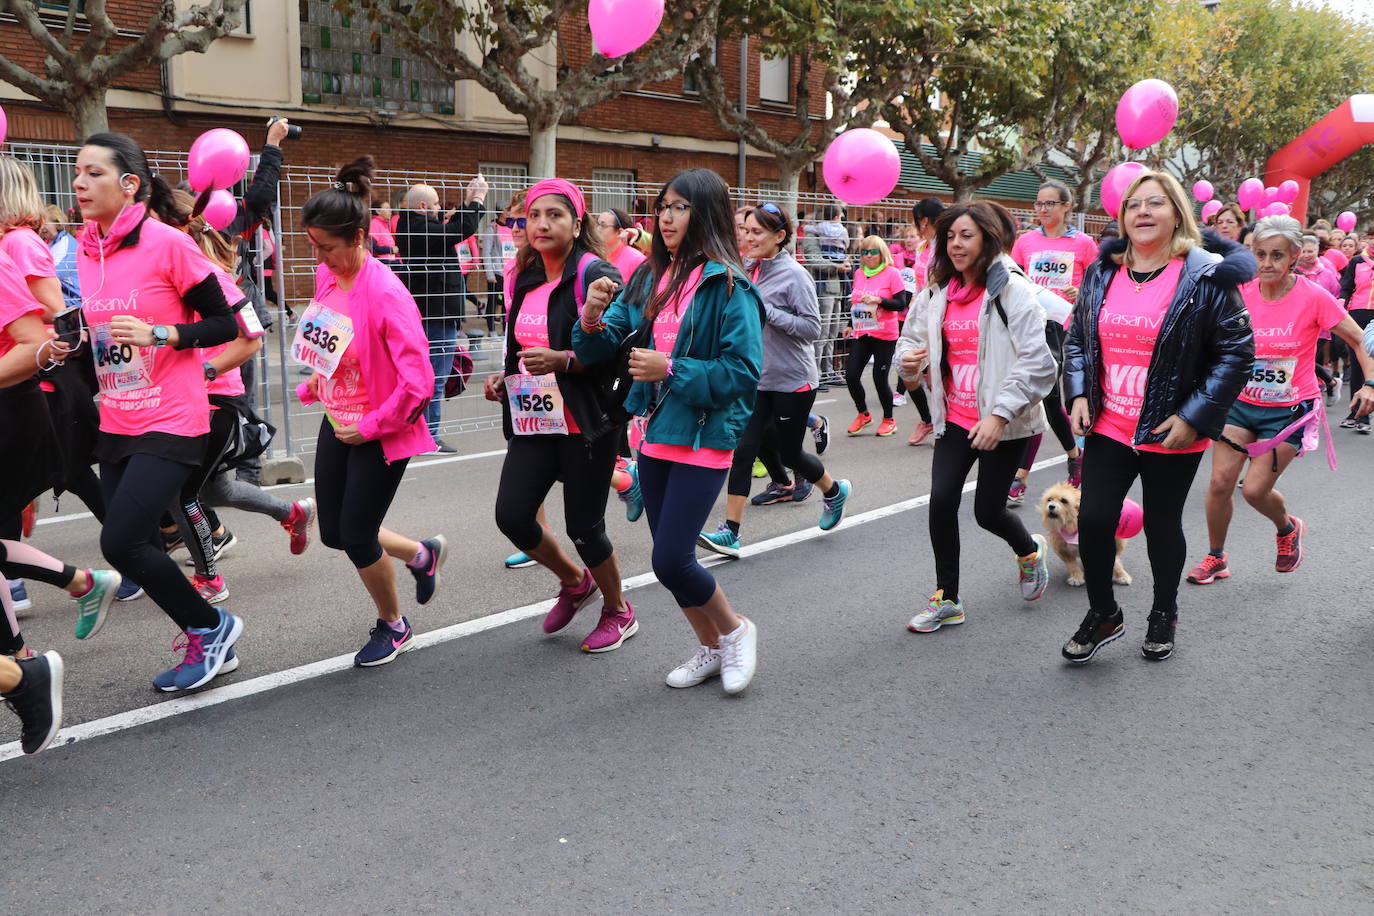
1159 349
1287 313
977 332
787 388
698 328
558 419
923 216
879 296
1357 290
151 300
362 336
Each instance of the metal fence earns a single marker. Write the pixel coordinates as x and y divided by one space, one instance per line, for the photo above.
482 322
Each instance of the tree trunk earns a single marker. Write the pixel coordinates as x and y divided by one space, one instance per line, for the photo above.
89 114
789 180
963 191
543 150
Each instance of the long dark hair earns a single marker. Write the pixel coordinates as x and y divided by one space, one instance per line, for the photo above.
710 234
128 157
343 208
588 237
997 226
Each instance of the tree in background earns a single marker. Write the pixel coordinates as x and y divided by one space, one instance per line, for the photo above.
78 74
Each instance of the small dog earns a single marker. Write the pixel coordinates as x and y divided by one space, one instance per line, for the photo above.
1059 513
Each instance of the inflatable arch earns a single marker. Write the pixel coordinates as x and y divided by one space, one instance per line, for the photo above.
1347 128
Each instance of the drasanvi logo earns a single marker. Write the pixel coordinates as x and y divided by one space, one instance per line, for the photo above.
1132 321
125 306
961 324
1286 331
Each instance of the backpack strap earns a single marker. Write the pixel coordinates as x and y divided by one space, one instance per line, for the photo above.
580 287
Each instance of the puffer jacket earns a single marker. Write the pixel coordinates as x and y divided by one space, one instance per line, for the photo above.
1204 351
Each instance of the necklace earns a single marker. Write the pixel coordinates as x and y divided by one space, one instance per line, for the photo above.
1141 279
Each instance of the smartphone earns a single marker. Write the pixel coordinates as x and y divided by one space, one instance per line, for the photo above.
68 324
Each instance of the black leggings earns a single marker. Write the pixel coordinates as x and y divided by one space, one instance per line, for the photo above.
678 499
196 522
786 413
1109 469
950 466
1353 369
918 398
137 490
1059 424
861 348
354 487
533 464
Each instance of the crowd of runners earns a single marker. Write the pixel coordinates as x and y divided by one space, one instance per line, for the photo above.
661 361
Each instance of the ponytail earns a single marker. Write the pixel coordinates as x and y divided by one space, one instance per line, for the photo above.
342 209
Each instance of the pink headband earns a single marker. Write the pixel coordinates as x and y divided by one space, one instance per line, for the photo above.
558 186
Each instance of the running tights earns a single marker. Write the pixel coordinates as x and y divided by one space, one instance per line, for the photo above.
678 499
194 522
20 561
1353 369
785 413
860 349
918 398
533 464
1059 424
354 487
954 458
1109 469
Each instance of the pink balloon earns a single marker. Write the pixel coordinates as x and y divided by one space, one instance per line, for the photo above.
1146 113
4 124
1271 194
218 159
1288 191
620 26
1346 221
1250 194
1115 183
1132 519
861 166
219 212
1210 209
1203 190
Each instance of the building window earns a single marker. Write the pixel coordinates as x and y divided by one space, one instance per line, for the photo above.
612 188
770 191
775 79
505 178
689 82
53 168
348 60
245 30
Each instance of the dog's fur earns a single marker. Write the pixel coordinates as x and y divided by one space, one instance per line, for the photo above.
1058 513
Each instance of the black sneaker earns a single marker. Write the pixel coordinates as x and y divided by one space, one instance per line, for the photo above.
427 579
222 544
776 493
1362 427
171 542
38 700
1093 633
822 435
1159 636
443 448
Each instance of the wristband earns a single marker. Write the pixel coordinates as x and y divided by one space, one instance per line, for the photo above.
592 328
570 356
1369 383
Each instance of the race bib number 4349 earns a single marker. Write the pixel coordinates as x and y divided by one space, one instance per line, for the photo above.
1052 269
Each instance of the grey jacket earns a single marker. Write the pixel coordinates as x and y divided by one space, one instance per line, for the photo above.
793 322
1015 367
824 246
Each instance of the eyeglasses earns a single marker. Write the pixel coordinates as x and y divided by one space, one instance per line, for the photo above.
1154 204
678 208
871 252
517 222
1047 204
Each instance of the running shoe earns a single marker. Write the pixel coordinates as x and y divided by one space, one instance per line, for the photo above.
1348 423
92 607
1159 636
722 541
861 422
1094 632
443 448
211 588
701 667
206 651
19 595
427 579
520 561
129 590
802 490
1035 570
222 544
899 400
384 644
298 524
833 511
632 496
1075 478
739 656
172 542
759 471
615 627
571 599
1290 546
821 433
921 433
37 701
937 613
1362 427
1016 495
28 518
1209 570
887 426
776 493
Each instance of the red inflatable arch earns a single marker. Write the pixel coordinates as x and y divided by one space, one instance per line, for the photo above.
1347 128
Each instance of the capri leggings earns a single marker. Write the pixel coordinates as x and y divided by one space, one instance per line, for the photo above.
20 561
861 348
785 412
532 465
354 487
678 499
1109 469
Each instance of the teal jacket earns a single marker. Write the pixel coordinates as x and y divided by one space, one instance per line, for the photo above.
717 360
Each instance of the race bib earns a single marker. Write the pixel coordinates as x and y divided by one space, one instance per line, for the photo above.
864 320
119 366
909 280
321 339
1272 381
1052 269
536 405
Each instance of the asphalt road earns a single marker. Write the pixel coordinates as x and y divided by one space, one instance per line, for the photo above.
866 770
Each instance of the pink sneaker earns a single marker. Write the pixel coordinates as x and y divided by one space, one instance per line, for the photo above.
571 599
298 524
212 590
615 627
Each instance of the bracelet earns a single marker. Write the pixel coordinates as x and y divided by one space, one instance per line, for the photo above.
592 328
570 357
670 365
1369 383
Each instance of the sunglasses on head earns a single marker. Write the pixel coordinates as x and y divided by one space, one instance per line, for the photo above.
770 208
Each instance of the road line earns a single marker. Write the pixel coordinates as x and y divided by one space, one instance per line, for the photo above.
145 715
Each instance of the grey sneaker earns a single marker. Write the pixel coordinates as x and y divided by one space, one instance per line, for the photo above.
1035 570
938 613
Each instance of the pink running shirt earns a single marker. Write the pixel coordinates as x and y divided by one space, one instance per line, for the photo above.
532 330
961 353
885 284
626 260
344 395
1285 370
15 300
1054 263
30 253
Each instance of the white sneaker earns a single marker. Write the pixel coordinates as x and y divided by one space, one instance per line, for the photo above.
899 400
701 667
739 656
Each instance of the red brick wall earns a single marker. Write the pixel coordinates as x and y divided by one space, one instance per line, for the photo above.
130 15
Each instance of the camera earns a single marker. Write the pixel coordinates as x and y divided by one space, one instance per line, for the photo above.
293 131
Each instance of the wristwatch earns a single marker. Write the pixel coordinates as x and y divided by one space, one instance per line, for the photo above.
161 335
211 373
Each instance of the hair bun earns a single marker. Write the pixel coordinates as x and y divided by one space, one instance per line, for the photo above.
356 177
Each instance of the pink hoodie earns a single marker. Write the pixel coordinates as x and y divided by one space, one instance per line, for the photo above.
394 354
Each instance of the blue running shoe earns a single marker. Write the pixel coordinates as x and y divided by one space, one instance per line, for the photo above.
802 490
520 561
19 595
722 541
129 590
384 644
631 496
834 507
207 650
427 579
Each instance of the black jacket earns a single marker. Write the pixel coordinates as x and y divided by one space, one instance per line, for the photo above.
1205 349
584 393
429 265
